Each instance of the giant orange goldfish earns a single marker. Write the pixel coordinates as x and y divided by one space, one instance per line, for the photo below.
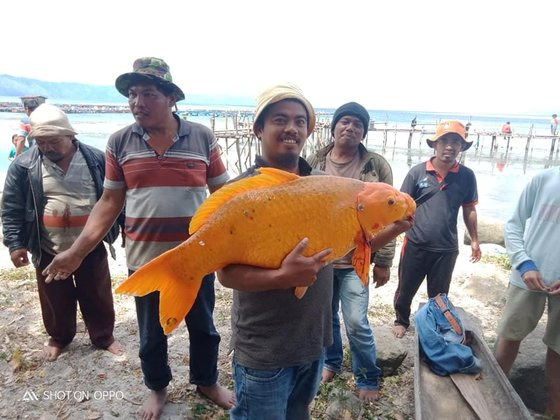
258 220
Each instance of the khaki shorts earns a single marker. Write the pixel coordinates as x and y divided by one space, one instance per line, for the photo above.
524 309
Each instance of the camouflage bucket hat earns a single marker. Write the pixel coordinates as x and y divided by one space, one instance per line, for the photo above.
148 69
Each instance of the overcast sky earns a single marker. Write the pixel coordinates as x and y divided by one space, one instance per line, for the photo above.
471 56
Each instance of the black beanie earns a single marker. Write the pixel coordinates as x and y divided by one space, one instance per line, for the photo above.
351 108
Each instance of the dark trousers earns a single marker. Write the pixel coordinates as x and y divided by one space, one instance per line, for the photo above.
90 285
204 340
415 264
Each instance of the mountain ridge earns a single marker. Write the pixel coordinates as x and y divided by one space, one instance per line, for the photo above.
71 91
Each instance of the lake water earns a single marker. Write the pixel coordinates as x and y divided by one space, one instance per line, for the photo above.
500 180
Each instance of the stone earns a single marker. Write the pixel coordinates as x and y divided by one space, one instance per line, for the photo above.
488 289
390 351
490 231
344 405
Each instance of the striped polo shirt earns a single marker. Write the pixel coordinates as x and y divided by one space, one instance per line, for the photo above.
69 197
162 192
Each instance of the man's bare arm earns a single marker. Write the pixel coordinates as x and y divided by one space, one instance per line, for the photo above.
100 220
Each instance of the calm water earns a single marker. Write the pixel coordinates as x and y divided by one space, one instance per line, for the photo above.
500 181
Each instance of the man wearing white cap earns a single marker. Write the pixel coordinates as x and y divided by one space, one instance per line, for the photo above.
278 340
48 195
440 187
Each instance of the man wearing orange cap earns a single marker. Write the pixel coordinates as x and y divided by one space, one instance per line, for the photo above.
440 187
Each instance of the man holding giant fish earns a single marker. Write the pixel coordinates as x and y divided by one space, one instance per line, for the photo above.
271 233
160 166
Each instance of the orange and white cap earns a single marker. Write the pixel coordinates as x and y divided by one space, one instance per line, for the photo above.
451 127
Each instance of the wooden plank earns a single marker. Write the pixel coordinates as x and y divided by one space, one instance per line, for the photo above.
472 393
489 397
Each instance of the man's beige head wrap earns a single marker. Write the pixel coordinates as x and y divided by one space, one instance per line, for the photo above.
47 121
278 93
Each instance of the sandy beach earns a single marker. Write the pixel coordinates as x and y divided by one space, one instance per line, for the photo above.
90 383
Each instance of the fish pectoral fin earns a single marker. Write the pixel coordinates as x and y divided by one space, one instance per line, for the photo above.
361 261
300 291
267 177
177 291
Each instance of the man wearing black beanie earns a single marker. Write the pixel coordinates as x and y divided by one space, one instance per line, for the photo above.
346 156
355 109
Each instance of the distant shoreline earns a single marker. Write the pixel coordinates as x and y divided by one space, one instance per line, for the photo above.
71 108
17 107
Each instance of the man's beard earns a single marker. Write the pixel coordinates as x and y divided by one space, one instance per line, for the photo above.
287 160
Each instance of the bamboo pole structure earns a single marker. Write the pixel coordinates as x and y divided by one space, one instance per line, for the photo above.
551 154
239 144
493 146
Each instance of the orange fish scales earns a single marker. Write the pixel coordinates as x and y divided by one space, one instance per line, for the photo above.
273 221
257 221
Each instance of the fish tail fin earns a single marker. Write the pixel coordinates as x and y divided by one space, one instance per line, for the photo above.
177 281
300 291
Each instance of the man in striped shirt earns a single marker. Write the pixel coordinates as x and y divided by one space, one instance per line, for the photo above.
160 167
48 196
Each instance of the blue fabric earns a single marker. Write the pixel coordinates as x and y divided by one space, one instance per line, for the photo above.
353 296
440 345
275 394
525 266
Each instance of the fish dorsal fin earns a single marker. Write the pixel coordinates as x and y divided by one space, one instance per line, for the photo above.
267 177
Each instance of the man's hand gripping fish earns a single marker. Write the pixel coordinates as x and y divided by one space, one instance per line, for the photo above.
258 220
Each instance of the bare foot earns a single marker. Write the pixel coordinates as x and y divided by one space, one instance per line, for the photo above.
399 330
51 353
369 395
115 348
327 375
218 395
153 405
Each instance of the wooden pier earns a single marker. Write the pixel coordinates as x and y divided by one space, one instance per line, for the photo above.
240 145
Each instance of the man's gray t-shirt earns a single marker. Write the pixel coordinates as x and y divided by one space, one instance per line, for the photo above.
274 329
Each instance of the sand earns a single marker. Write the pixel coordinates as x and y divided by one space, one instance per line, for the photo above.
89 383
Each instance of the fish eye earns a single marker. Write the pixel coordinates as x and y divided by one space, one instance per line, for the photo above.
391 201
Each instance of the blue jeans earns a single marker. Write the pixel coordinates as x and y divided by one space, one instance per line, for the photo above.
275 394
354 297
204 340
